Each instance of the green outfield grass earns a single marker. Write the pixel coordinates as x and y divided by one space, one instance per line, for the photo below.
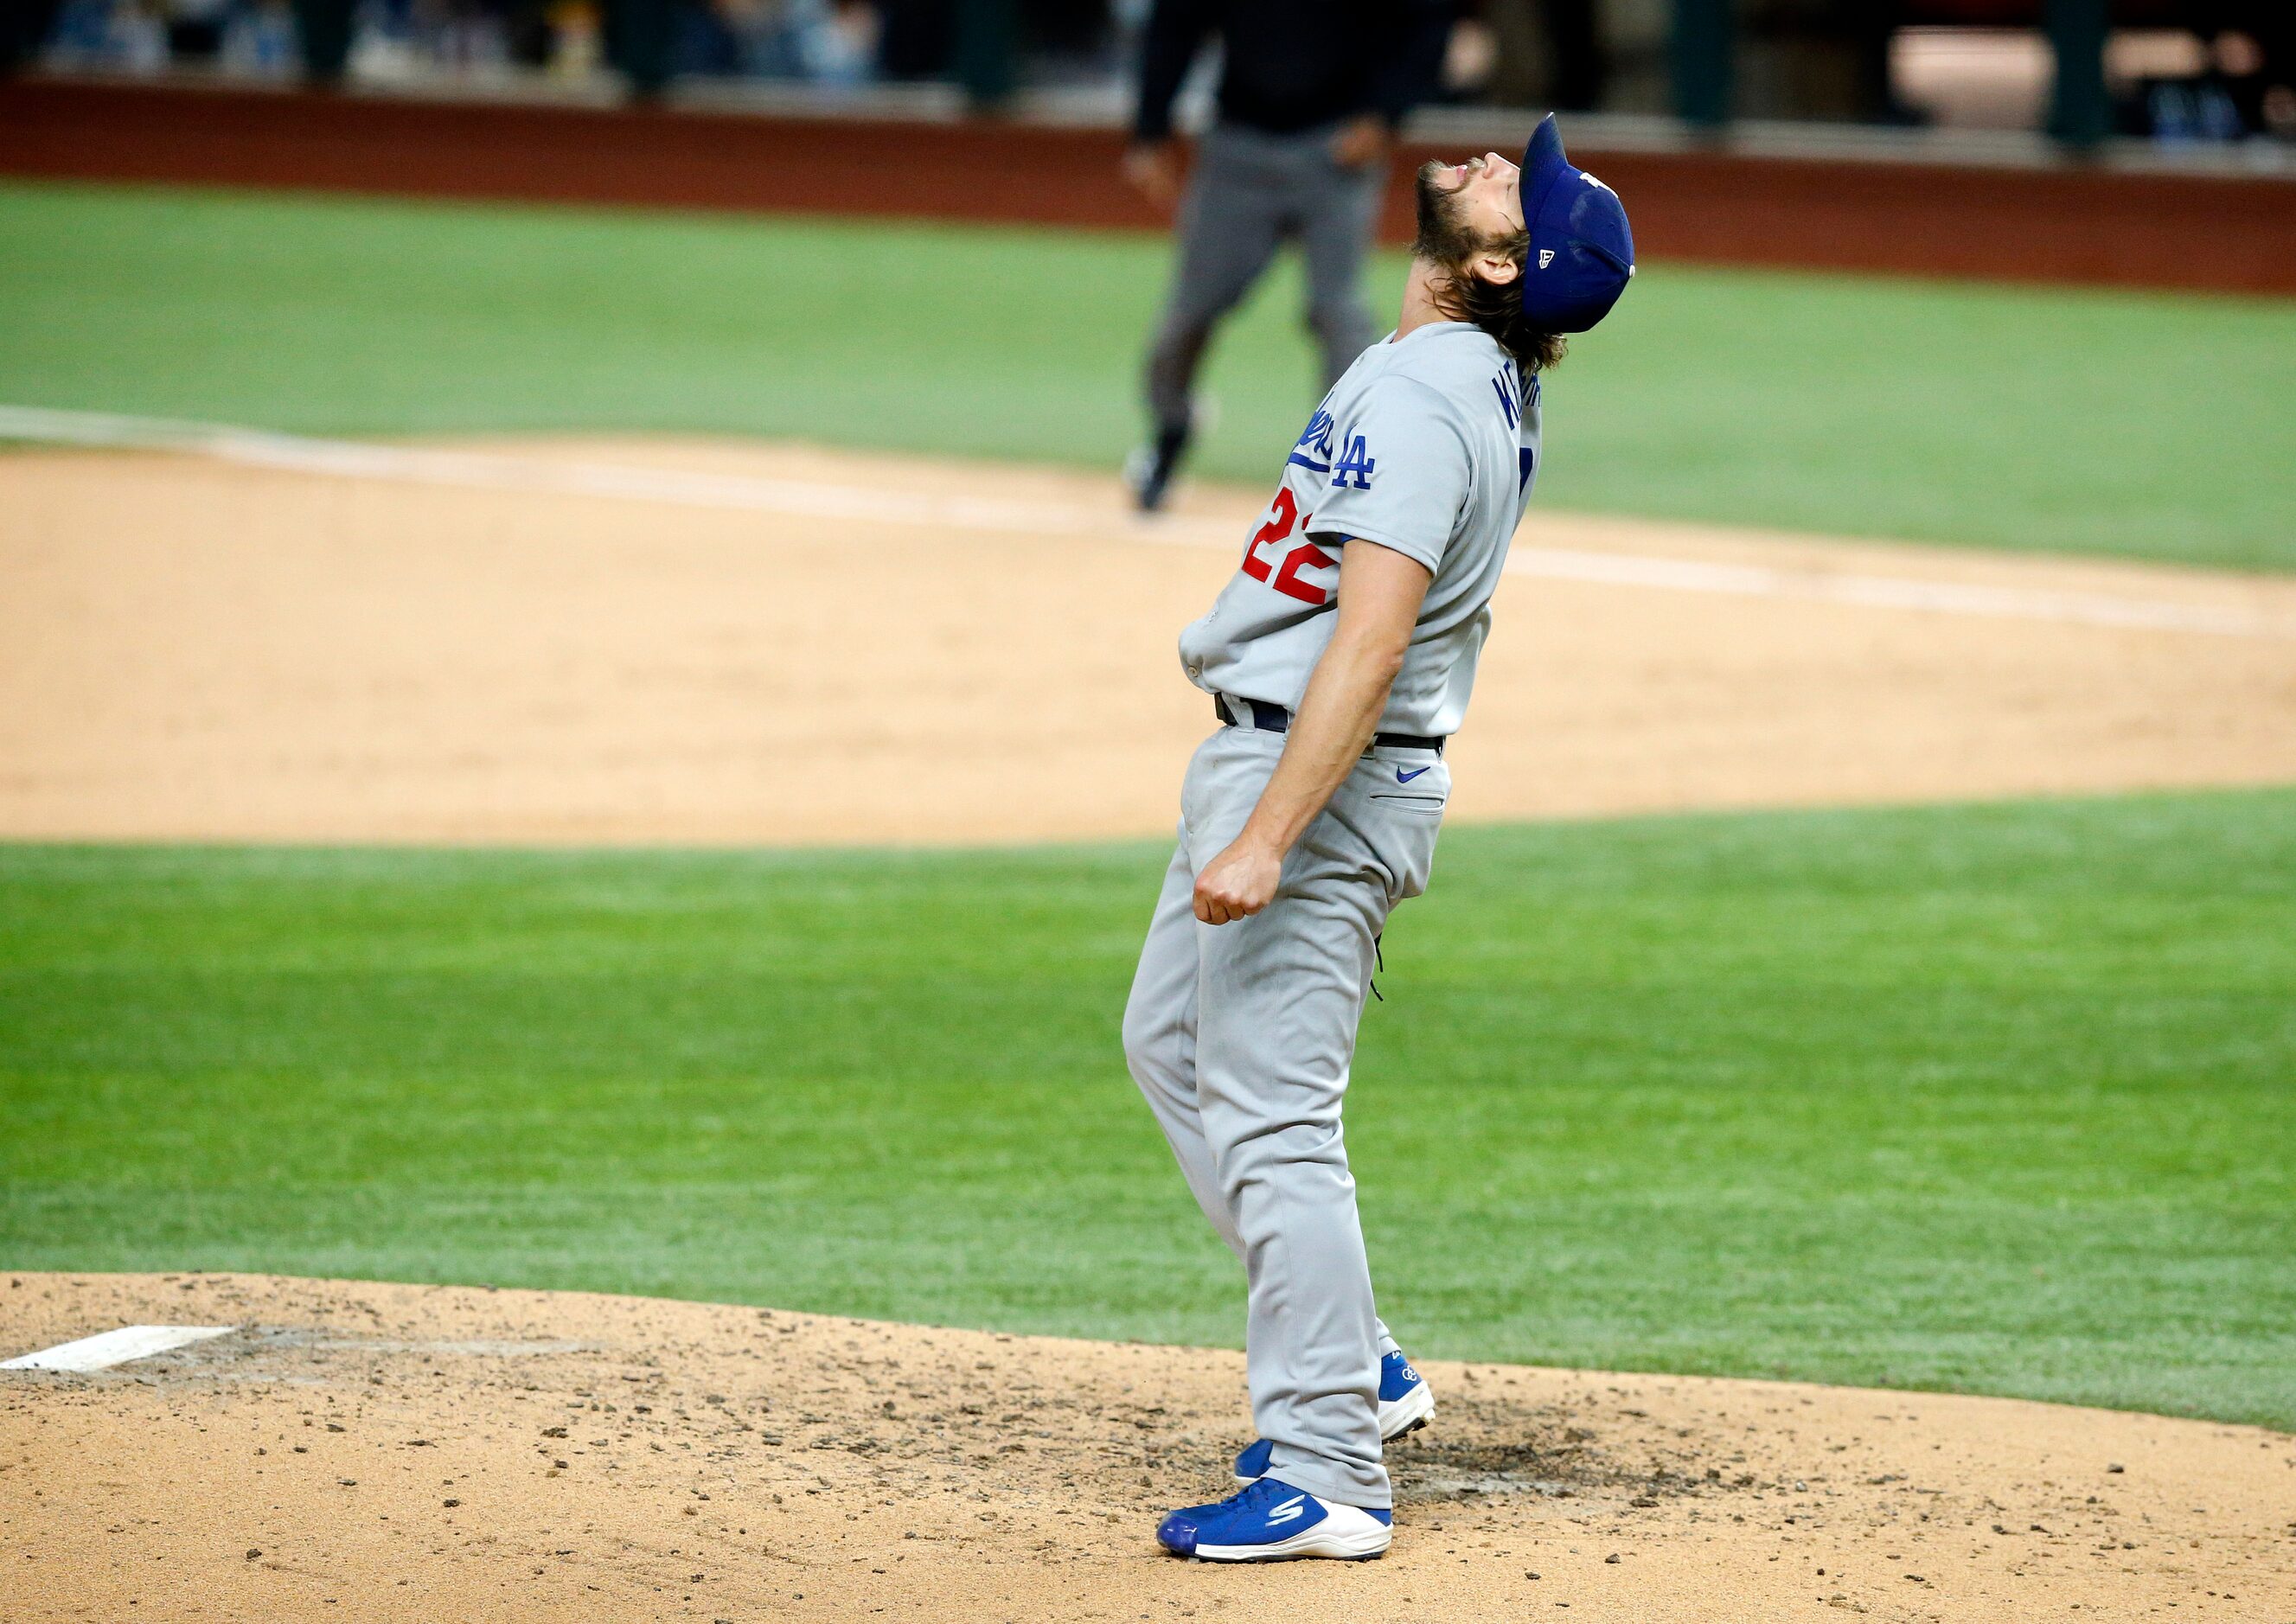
2000 1099
2150 425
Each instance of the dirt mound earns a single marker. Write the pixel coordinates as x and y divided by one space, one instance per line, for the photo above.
386 1452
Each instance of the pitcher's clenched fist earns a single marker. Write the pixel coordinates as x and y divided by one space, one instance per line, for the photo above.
1237 883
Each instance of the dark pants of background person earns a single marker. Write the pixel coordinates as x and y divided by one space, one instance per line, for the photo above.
1250 193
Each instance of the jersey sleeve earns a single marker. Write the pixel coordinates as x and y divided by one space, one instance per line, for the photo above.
1400 472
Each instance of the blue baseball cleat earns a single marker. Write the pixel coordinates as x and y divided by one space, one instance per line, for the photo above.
1406 1403
1272 1521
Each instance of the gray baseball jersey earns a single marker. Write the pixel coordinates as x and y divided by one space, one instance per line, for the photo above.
1428 444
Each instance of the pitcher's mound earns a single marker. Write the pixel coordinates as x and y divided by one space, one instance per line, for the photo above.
356 1451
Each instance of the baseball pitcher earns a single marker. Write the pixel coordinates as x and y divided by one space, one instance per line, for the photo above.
1340 657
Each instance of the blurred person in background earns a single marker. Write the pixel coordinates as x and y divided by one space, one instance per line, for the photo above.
825 41
1311 92
259 42
2245 86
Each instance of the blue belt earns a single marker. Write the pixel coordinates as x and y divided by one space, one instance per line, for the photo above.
1274 718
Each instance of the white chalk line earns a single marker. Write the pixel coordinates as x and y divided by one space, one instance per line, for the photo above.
110 1348
809 499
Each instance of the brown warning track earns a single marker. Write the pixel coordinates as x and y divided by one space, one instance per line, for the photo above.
391 1452
2049 225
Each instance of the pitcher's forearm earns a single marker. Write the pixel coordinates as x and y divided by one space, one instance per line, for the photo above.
1336 720
1380 593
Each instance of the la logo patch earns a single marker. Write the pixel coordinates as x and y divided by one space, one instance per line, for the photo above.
1545 257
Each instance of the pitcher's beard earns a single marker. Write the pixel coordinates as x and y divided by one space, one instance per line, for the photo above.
1445 237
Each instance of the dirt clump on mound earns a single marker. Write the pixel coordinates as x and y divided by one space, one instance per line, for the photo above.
361 1451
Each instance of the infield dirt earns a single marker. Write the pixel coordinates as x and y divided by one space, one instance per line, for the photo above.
392 1452
194 649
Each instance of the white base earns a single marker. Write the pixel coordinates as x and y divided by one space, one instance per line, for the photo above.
110 1348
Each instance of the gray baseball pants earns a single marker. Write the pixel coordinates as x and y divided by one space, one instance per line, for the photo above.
1250 191
1241 1036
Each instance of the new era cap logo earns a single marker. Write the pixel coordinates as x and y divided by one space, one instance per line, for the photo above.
1545 257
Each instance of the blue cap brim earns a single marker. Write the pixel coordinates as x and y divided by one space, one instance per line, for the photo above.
1543 164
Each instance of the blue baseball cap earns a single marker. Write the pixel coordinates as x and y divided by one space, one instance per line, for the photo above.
1582 253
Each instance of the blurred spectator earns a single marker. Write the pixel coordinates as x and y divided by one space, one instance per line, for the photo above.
116 37
2245 86
258 40
403 39
829 42
1310 94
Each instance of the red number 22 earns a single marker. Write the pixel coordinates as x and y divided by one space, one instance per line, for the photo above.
1280 524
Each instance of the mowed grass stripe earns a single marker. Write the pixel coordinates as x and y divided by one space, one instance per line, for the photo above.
1987 1098
2149 425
